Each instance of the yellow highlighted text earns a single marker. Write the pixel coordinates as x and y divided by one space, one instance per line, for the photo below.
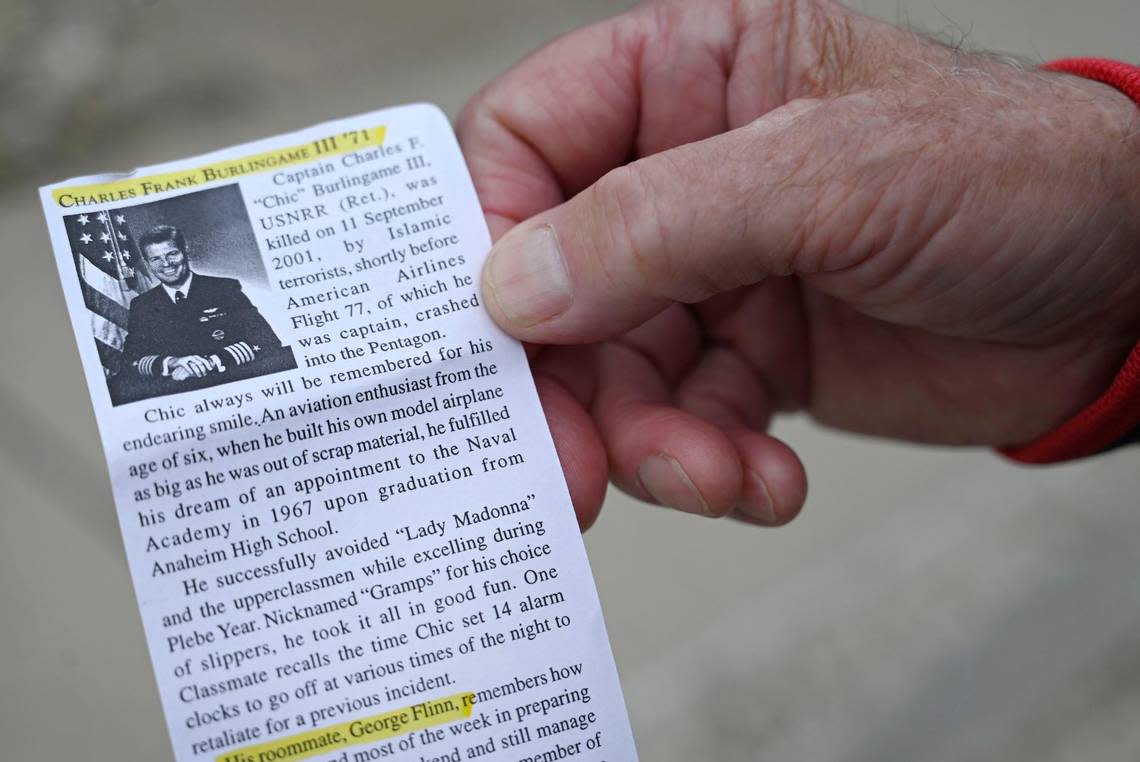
379 727
137 187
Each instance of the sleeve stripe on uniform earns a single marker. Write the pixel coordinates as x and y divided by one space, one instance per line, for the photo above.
241 352
145 365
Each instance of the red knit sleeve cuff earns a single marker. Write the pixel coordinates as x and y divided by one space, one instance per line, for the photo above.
1124 77
1115 416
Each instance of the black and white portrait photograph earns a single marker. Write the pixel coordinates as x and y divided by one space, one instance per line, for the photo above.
172 288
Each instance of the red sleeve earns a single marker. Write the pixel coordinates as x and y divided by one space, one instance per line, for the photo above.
1115 416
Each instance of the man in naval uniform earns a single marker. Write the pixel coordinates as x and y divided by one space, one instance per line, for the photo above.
191 330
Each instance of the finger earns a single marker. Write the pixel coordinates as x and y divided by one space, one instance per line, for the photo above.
679 226
588 101
767 328
580 449
656 451
723 390
775 484
659 76
575 368
671 340
802 189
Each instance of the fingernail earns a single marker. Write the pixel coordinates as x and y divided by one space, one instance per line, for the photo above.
665 479
527 276
757 504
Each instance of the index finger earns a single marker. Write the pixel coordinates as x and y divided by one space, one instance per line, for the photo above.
638 83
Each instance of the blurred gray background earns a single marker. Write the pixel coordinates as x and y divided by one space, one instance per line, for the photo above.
929 604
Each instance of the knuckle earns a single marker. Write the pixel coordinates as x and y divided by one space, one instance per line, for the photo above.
820 42
629 227
647 235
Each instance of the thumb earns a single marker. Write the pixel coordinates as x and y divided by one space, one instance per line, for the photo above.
677 226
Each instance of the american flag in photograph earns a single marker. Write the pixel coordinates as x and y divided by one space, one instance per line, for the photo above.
110 275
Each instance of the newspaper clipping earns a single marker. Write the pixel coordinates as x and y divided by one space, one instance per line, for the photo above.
347 526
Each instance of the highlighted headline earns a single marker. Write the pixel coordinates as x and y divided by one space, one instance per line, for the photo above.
137 187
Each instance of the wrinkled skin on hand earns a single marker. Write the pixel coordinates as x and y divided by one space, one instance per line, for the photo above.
780 206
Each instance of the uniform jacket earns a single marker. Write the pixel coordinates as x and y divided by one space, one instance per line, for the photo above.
216 320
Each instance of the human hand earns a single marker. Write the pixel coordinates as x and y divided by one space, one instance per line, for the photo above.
190 366
819 212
